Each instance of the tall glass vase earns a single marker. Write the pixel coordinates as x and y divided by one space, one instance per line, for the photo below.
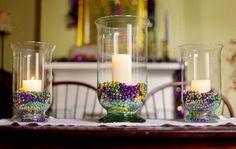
32 80
201 69
122 66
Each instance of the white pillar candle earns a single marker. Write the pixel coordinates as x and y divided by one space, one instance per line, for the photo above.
201 86
32 85
122 68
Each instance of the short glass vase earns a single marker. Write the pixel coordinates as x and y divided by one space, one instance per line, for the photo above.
32 80
201 69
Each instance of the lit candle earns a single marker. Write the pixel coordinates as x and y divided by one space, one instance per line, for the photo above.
32 85
122 68
201 86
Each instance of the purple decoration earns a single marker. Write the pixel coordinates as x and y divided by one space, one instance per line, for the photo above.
32 105
118 9
201 106
116 90
73 14
201 102
167 27
73 2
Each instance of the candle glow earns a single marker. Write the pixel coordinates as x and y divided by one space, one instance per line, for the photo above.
32 85
201 86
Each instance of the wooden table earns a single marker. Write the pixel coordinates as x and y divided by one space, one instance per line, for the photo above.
119 137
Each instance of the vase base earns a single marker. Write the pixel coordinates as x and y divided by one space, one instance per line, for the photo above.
202 119
109 118
31 117
39 119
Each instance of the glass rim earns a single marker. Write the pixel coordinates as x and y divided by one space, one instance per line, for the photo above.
31 42
208 46
99 21
20 44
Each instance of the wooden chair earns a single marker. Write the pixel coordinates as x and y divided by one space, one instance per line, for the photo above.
75 100
157 97
6 110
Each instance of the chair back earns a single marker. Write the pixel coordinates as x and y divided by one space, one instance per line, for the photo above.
75 100
156 102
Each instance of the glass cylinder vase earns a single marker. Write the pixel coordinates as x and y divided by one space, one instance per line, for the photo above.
122 66
201 70
32 80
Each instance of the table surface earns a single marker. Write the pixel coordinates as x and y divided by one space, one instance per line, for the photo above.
118 137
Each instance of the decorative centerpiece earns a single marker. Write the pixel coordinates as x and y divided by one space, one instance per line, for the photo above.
201 68
32 78
122 66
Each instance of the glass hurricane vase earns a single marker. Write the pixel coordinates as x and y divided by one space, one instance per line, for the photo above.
122 66
32 80
201 69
